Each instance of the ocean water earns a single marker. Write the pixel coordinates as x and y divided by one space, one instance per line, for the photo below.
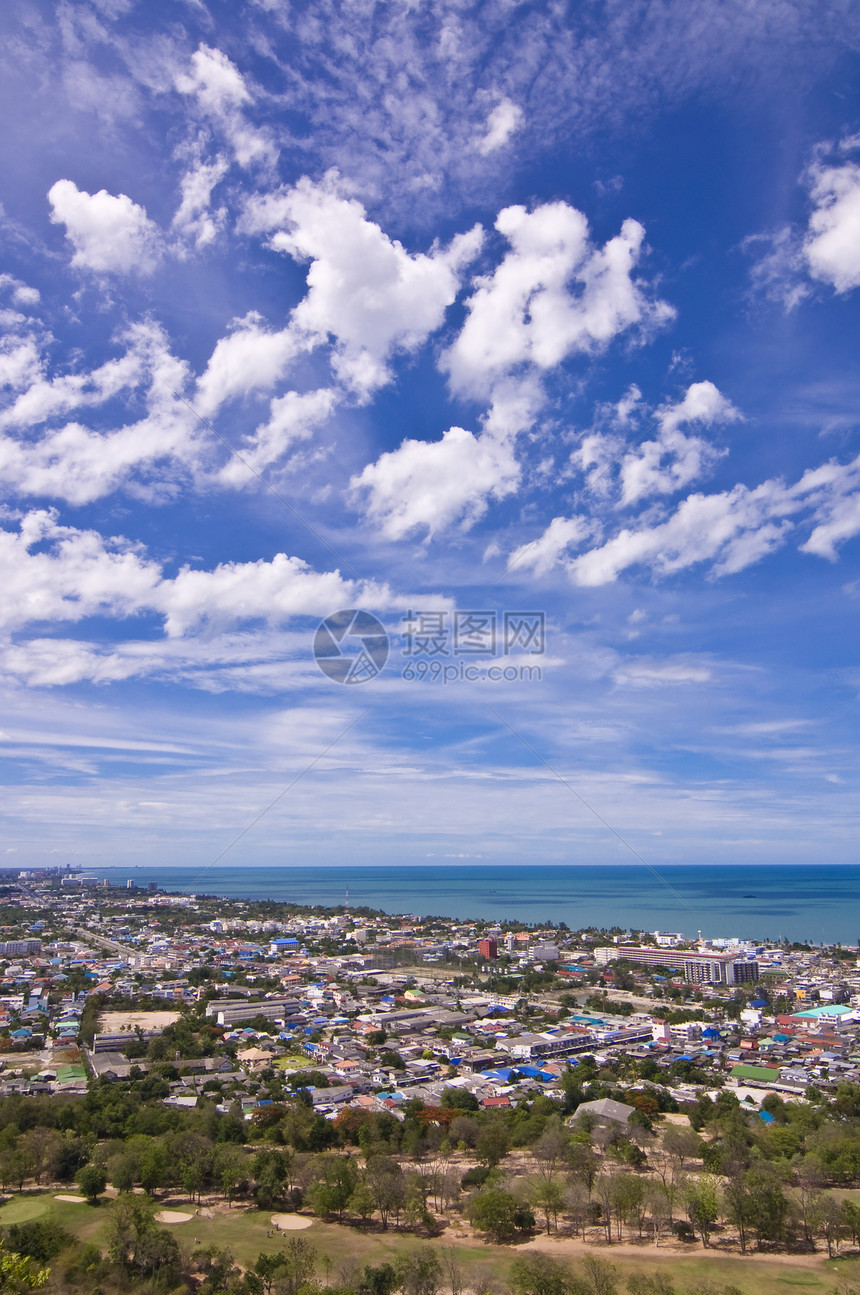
817 903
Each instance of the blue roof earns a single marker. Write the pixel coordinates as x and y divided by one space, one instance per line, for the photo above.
766 1116
532 1072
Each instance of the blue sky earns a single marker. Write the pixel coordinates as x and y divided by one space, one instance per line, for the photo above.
430 308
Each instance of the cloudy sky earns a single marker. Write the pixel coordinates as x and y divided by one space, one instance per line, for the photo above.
465 313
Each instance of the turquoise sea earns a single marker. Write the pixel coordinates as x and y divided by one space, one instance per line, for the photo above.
818 903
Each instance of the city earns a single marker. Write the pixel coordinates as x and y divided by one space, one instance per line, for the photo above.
466 1081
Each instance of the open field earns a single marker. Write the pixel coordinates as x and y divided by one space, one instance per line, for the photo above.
112 1022
248 1231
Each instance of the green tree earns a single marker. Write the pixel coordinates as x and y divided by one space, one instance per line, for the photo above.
386 1181
767 1205
651 1284
154 1166
703 1206
219 1270
92 1181
362 1201
288 1271
600 1276
493 1211
17 1272
419 1272
42 1239
378 1281
493 1144
539 1274
122 1170
548 1197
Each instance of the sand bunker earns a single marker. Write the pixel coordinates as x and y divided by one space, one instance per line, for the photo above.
290 1222
76 1200
172 1216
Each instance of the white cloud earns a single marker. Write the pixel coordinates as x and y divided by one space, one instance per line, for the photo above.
545 553
292 417
505 119
832 242
53 572
221 93
554 294
72 575
672 460
76 463
110 234
195 218
834 490
249 359
215 81
22 293
364 289
20 362
828 250
779 272
429 485
731 530
647 674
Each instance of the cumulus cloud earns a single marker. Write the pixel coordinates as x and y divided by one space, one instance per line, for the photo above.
195 218
79 464
220 91
250 358
22 294
729 530
672 460
429 485
545 553
59 573
364 289
71 574
554 294
828 250
834 490
505 119
110 233
20 361
292 417
832 243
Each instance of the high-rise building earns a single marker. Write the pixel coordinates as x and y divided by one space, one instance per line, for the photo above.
488 948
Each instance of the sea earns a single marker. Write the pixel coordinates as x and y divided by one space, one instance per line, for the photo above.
818 904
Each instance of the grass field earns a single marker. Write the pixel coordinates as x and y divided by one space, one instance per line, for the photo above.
243 1231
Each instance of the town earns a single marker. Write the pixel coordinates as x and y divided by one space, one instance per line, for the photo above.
374 1075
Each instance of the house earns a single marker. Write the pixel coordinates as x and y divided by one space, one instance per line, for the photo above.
606 1110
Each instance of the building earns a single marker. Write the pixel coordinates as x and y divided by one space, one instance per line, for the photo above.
545 952
13 948
229 1013
488 948
605 1110
699 968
